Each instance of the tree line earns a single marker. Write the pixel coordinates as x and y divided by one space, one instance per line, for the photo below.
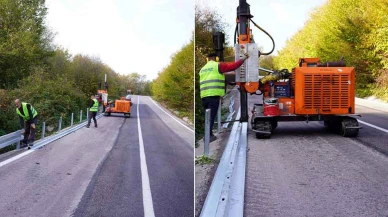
174 86
354 29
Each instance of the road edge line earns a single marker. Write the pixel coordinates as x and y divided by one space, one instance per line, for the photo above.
171 115
373 126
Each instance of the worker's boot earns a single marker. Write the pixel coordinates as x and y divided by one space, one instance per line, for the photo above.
212 138
23 144
87 126
30 145
95 125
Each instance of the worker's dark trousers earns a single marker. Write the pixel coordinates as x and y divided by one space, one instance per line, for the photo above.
30 132
211 102
92 115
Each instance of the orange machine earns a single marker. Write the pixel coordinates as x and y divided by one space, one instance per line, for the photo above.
324 90
119 106
312 92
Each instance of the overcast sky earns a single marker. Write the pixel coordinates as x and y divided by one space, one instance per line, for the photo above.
280 18
129 36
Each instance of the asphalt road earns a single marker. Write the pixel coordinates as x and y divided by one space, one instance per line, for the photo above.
305 171
112 170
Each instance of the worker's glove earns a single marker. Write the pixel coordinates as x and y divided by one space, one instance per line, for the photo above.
246 56
33 126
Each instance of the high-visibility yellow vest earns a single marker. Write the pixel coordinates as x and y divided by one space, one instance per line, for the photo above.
26 116
94 108
211 81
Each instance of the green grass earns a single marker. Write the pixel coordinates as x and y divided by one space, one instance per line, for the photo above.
201 160
224 113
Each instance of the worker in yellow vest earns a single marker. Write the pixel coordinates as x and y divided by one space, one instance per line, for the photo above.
93 108
212 84
28 118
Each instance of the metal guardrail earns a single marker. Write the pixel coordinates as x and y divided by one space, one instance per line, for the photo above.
16 137
11 138
207 133
60 134
231 112
219 116
226 194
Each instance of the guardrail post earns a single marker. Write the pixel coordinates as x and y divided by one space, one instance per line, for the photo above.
72 118
43 129
207 133
80 116
60 124
18 145
219 117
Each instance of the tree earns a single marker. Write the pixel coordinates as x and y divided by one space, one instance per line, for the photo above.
266 62
359 34
174 85
24 39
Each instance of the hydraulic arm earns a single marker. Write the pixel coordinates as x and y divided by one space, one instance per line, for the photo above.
247 76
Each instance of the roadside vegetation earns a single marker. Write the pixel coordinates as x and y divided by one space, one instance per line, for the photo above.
201 160
174 86
354 29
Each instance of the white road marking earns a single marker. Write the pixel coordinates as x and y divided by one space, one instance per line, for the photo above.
371 125
147 196
170 115
16 157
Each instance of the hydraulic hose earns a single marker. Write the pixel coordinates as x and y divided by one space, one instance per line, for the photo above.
273 42
235 33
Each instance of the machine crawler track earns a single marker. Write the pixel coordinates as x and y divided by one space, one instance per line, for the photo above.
346 127
263 129
349 127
